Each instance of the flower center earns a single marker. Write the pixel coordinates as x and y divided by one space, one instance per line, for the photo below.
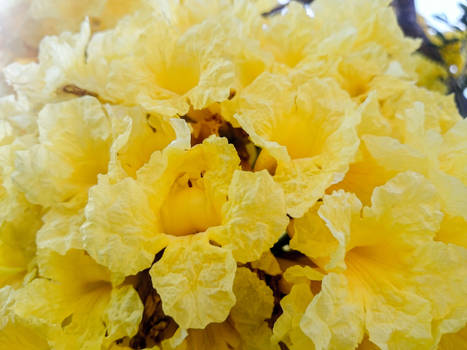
188 209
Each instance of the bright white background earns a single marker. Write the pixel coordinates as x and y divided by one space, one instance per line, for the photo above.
428 8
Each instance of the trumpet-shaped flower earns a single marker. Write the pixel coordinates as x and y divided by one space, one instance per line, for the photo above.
440 156
382 262
169 70
79 139
45 81
75 298
196 204
307 138
69 132
357 48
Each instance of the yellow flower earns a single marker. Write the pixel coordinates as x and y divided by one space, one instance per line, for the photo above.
198 205
75 298
275 36
69 132
308 136
350 44
137 135
43 82
27 22
180 70
382 264
413 145
78 140
246 326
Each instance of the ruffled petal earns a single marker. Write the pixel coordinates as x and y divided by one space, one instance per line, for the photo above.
194 280
254 216
391 264
254 306
335 317
120 223
72 298
123 313
287 327
17 333
75 139
311 139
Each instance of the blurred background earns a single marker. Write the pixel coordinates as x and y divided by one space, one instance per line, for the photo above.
431 8
442 27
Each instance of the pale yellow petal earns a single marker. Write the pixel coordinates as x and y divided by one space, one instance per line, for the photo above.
312 139
17 333
194 280
75 142
61 229
311 236
138 135
72 299
120 223
123 313
287 327
40 82
254 216
334 318
254 306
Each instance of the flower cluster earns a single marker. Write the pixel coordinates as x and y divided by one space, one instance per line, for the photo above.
199 176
